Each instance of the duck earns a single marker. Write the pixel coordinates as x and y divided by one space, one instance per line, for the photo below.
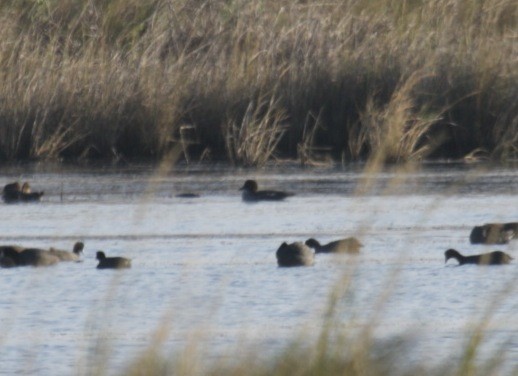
28 257
11 192
8 261
494 233
348 245
27 195
251 193
15 248
112 262
75 255
294 254
187 195
491 258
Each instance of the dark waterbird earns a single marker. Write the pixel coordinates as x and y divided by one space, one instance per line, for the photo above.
15 248
112 262
492 258
187 195
11 192
6 255
494 233
294 254
251 193
348 245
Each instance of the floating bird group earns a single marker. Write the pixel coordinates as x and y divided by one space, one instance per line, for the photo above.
14 193
67 255
11 256
14 255
293 254
489 233
347 245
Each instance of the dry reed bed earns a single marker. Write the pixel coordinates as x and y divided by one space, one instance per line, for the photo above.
393 80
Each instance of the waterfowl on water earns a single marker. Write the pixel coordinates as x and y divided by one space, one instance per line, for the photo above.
7 262
347 245
28 257
187 195
6 259
112 262
251 193
27 195
15 248
11 192
294 254
492 258
494 233
75 255
14 192
37 257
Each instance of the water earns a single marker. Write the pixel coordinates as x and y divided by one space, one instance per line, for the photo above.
204 269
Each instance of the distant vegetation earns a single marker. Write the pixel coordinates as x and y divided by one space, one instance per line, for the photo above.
251 81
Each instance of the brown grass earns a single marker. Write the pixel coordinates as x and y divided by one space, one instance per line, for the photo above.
252 141
94 79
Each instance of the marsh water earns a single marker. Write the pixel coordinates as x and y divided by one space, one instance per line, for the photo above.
204 269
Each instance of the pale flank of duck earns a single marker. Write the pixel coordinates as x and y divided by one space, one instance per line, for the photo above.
31 197
348 245
38 257
75 255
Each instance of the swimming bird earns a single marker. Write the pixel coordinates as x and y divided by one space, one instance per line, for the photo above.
29 256
492 258
294 254
15 248
75 255
251 193
26 194
112 262
11 192
7 261
187 195
494 233
347 245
